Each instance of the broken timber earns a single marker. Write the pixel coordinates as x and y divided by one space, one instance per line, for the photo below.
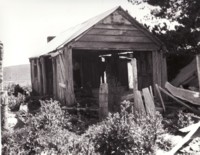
179 101
149 103
160 96
187 95
185 139
138 102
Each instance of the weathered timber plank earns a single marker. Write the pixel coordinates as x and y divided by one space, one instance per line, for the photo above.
70 97
42 60
198 68
58 79
61 68
103 101
117 32
179 101
163 70
54 77
39 77
149 103
185 139
115 26
155 71
80 109
115 18
127 97
138 104
185 73
135 74
114 46
123 39
140 27
160 96
32 74
184 94
159 67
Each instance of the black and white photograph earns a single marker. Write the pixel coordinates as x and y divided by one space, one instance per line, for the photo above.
100 77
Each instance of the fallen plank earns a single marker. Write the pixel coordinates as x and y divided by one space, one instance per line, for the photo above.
179 101
160 96
188 128
187 95
81 109
127 97
185 139
138 102
149 103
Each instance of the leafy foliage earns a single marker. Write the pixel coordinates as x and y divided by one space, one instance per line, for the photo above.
177 120
185 37
49 131
15 102
125 134
45 131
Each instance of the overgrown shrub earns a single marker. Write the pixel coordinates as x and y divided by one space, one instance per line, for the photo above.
15 102
49 131
125 134
177 120
164 142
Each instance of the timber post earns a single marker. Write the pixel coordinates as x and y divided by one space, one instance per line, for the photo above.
70 96
135 77
103 101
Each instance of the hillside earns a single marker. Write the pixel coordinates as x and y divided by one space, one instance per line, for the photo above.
19 74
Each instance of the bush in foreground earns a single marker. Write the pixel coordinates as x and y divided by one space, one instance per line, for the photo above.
49 131
124 134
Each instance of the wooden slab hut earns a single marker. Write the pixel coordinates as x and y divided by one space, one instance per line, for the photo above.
73 59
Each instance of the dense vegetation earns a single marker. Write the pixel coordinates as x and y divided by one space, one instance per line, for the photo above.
47 129
186 13
53 130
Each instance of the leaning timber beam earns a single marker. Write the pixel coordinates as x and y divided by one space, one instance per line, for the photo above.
187 95
179 101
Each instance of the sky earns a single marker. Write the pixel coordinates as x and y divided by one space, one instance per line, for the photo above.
25 24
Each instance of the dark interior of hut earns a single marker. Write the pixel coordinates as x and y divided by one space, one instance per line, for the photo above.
91 68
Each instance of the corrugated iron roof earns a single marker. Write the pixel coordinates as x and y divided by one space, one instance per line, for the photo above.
73 32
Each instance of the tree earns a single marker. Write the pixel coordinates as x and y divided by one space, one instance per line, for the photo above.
186 35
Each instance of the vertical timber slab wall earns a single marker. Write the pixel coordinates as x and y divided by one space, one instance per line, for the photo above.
159 70
164 69
156 70
32 74
70 97
39 77
43 76
54 78
63 85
